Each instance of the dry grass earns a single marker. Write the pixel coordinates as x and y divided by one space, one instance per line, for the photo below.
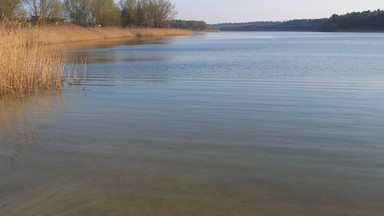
27 67
24 66
72 33
148 32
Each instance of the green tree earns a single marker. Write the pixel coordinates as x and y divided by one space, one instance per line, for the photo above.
189 24
105 12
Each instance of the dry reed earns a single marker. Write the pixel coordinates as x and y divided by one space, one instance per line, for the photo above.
73 33
25 67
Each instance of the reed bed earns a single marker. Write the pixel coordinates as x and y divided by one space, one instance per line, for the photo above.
151 32
26 67
72 33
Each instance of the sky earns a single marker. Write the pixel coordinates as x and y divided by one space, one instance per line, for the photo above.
220 11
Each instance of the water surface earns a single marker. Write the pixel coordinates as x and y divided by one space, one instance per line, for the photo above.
212 124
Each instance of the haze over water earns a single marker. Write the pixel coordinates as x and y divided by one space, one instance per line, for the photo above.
212 124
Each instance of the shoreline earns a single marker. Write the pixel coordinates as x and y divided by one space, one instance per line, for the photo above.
67 34
27 66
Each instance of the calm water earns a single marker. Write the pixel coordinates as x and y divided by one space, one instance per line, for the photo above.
213 124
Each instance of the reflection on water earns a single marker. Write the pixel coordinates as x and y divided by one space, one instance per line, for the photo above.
106 44
19 130
100 51
106 57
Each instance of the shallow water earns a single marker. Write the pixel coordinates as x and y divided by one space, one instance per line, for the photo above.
213 124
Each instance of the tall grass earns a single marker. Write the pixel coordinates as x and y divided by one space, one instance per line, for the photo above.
26 67
153 32
73 33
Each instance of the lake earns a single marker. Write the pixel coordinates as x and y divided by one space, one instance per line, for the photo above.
260 123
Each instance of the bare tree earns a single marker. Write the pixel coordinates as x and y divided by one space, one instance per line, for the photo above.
9 8
78 11
147 13
43 9
128 13
160 11
133 13
105 12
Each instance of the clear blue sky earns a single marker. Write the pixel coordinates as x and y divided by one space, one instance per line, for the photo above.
218 11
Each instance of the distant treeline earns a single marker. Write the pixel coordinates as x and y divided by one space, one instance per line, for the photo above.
189 24
356 21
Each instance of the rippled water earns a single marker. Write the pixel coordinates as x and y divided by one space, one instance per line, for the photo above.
213 124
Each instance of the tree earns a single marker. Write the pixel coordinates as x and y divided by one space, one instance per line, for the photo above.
128 12
193 25
147 13
356 21
41 10
57 11
78 11
8 8
160 12
141 13
92 12
105 12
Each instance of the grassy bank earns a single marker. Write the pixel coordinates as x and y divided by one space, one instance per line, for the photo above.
71 33
26 66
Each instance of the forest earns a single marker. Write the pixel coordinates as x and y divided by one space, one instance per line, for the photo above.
356 21
189 24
